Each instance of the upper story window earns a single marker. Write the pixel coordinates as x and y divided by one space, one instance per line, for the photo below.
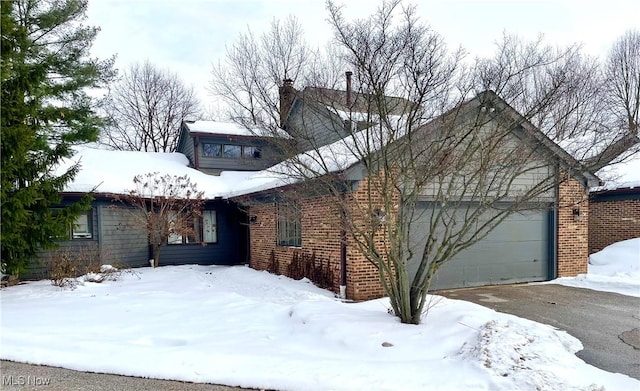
251 152
212 150
230 151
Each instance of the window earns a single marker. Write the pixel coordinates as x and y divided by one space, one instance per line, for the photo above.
205 229
212 150
82 228
232 151
209 226
251 152
289 225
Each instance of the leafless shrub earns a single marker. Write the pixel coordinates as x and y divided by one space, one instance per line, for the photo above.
307 265
69 267
273 266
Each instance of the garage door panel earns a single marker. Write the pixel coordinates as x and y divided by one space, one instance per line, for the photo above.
515 251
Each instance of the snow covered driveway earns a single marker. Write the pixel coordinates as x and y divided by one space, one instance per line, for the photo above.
237 326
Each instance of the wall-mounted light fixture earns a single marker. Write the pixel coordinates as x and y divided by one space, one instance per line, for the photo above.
577 214
253 219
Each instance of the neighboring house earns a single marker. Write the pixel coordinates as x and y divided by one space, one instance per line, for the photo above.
535 246
213 147
108 233
614 210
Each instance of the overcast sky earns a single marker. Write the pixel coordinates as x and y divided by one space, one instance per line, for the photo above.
188 36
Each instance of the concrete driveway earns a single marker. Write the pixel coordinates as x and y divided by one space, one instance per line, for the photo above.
608 324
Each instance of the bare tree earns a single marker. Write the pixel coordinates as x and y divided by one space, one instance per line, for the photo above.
620 103
146 108
438 159
166 207
622 71
255 66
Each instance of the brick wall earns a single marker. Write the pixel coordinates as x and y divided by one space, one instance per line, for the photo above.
320 235
363 278
573 232
612 221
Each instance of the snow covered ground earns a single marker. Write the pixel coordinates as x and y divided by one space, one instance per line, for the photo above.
238 326
614 269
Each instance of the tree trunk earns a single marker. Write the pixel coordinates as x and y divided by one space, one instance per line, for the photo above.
156 256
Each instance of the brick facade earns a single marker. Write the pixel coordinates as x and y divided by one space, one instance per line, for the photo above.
321 235
573 230
612 221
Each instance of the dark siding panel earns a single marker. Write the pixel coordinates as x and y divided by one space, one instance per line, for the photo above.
269 155
38 268
122 239
186 146
314 125
228 251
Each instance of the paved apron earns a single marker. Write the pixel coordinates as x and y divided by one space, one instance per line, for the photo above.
607 324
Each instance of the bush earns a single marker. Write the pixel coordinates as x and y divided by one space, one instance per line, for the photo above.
69 267
307 265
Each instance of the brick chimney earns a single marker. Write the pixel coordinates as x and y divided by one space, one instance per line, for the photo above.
287 95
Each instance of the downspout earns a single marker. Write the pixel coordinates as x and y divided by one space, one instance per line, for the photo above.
343 249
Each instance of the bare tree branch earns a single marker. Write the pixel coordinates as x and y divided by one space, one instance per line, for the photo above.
146 108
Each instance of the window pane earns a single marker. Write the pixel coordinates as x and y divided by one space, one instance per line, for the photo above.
251 152
210 228
289 232
196 235
232 151
82 227
212 150
173 238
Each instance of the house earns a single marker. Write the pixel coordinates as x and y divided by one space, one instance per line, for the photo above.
247 191
614 209
538 245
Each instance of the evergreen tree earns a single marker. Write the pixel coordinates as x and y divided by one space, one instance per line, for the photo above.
45 74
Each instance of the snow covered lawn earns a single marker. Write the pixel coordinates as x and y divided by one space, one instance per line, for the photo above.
614 269
238 326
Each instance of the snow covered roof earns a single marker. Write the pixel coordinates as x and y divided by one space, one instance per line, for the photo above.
623 174
229 128
105 171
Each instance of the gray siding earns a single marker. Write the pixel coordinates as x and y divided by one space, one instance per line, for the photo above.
38 268
186 146
269 155
313 125
528 172
123 240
